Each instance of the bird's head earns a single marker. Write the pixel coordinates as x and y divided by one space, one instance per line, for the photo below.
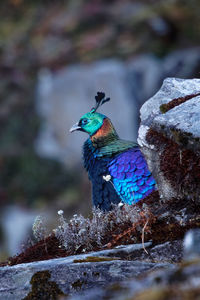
95 124
89 123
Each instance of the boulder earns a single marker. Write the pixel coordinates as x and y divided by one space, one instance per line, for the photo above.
169 136
180 282
121 273
69 275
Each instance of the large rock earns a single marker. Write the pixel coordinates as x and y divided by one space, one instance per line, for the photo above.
169 135
120 273
74 273
181 282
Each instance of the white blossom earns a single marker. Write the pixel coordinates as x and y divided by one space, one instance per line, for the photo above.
107 177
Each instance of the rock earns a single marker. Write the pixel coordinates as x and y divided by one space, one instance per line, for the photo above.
72 274
169 136
107 274
180 282
192 244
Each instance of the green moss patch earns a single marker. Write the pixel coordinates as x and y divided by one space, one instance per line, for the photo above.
43 287
175 102
95 259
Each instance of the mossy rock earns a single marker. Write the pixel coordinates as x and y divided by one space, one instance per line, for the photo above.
43 288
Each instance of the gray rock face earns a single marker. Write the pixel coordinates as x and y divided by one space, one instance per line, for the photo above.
177 283
74 273
169 136
192 244
171 88
119 273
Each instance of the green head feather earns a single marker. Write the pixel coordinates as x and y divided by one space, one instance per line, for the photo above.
92 121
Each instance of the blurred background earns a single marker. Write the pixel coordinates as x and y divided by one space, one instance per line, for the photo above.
54 57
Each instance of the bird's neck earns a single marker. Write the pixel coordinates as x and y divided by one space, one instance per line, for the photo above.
104 135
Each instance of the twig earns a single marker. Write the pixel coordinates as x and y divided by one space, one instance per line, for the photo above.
143 229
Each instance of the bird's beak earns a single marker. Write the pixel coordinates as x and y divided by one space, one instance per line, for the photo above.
75 127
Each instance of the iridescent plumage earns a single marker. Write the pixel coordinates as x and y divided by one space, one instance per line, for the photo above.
117 168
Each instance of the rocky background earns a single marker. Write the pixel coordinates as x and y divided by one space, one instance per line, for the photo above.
54 56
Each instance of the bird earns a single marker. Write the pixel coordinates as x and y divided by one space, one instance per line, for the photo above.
116 168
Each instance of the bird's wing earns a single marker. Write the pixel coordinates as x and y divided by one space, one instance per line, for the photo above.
130 176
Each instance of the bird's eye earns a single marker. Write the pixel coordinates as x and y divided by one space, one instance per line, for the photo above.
84 121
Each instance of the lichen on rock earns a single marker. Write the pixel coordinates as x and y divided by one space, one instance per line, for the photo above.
43 287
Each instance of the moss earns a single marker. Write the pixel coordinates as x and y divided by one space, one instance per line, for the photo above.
181 167
47 248
156 138
77 285
180 137
43 288
175 102
163 108
95 259
117 287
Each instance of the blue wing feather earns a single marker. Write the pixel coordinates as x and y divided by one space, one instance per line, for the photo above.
131 179
130 176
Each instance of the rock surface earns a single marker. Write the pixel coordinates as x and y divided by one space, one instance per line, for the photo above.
74 273
180 282
121 273
169 134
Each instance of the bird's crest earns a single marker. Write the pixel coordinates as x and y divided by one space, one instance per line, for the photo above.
100 100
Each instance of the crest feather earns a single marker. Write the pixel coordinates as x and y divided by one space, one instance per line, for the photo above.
100 100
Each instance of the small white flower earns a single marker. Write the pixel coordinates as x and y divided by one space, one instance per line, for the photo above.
120 204
107 177
60 212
